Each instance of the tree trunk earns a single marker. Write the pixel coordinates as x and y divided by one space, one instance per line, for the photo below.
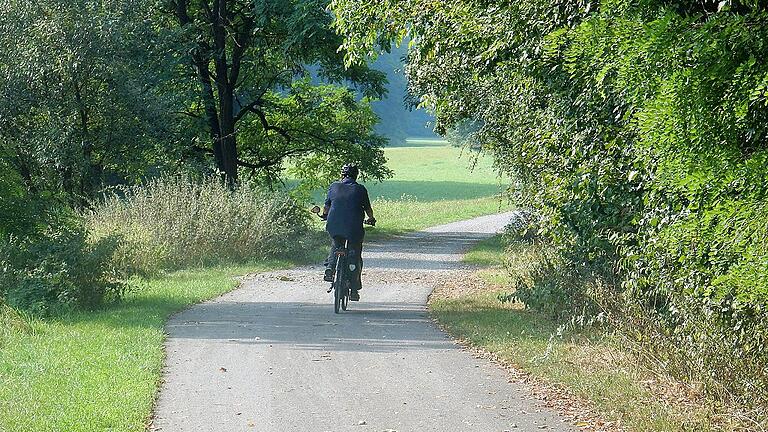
220 120
225 89
211 114
228 138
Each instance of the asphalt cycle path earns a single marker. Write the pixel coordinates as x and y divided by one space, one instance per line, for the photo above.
272 355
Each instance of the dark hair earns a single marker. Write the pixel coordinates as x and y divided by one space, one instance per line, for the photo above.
350 170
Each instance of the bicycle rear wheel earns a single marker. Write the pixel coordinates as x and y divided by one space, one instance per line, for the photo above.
338 286
337 299
345 298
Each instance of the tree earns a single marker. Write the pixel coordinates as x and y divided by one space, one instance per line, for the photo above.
251 63
638 130
77 102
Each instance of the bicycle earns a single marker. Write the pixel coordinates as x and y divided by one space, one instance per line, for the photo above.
342 277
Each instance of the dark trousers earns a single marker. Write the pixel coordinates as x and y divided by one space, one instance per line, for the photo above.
355 253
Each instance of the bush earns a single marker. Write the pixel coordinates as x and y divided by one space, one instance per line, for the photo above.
58 266
176 222
539 277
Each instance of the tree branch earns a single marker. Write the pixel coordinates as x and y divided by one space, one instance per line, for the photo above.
266 163
268 127
244 110
181 12
242 38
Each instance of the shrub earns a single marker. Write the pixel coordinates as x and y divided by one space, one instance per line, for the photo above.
637 130
58 266
175 222
541 280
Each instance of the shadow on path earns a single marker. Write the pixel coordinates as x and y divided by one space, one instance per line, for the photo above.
366 327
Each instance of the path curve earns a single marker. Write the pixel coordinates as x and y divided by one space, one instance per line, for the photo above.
272 355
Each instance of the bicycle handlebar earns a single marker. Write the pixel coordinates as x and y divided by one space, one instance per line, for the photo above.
316 210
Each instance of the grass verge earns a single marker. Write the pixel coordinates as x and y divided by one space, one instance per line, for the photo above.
89 371
590 366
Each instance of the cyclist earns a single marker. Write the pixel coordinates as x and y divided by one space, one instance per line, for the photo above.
345 206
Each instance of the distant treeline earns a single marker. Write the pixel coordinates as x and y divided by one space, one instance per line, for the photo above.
400 118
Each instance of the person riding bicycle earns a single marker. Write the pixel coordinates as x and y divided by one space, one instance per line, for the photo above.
346 205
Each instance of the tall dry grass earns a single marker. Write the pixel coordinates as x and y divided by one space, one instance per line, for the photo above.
178 222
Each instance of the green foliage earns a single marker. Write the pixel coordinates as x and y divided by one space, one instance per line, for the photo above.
58 266
637 131
175 222
77 101
332 126
16 207
243 76
13 322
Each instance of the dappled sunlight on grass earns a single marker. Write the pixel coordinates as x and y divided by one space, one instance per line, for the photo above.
427 191
419 142
398 216
433 172
489 252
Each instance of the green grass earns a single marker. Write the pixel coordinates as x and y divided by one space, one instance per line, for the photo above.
432 172
400 216
488 253
90 371
433 184
590 365
419 142
436 173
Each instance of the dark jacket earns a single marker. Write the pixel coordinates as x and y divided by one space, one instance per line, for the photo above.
347 201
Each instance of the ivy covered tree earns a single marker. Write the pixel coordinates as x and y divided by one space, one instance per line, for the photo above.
254 68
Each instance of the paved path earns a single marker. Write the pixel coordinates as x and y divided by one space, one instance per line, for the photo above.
272 356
